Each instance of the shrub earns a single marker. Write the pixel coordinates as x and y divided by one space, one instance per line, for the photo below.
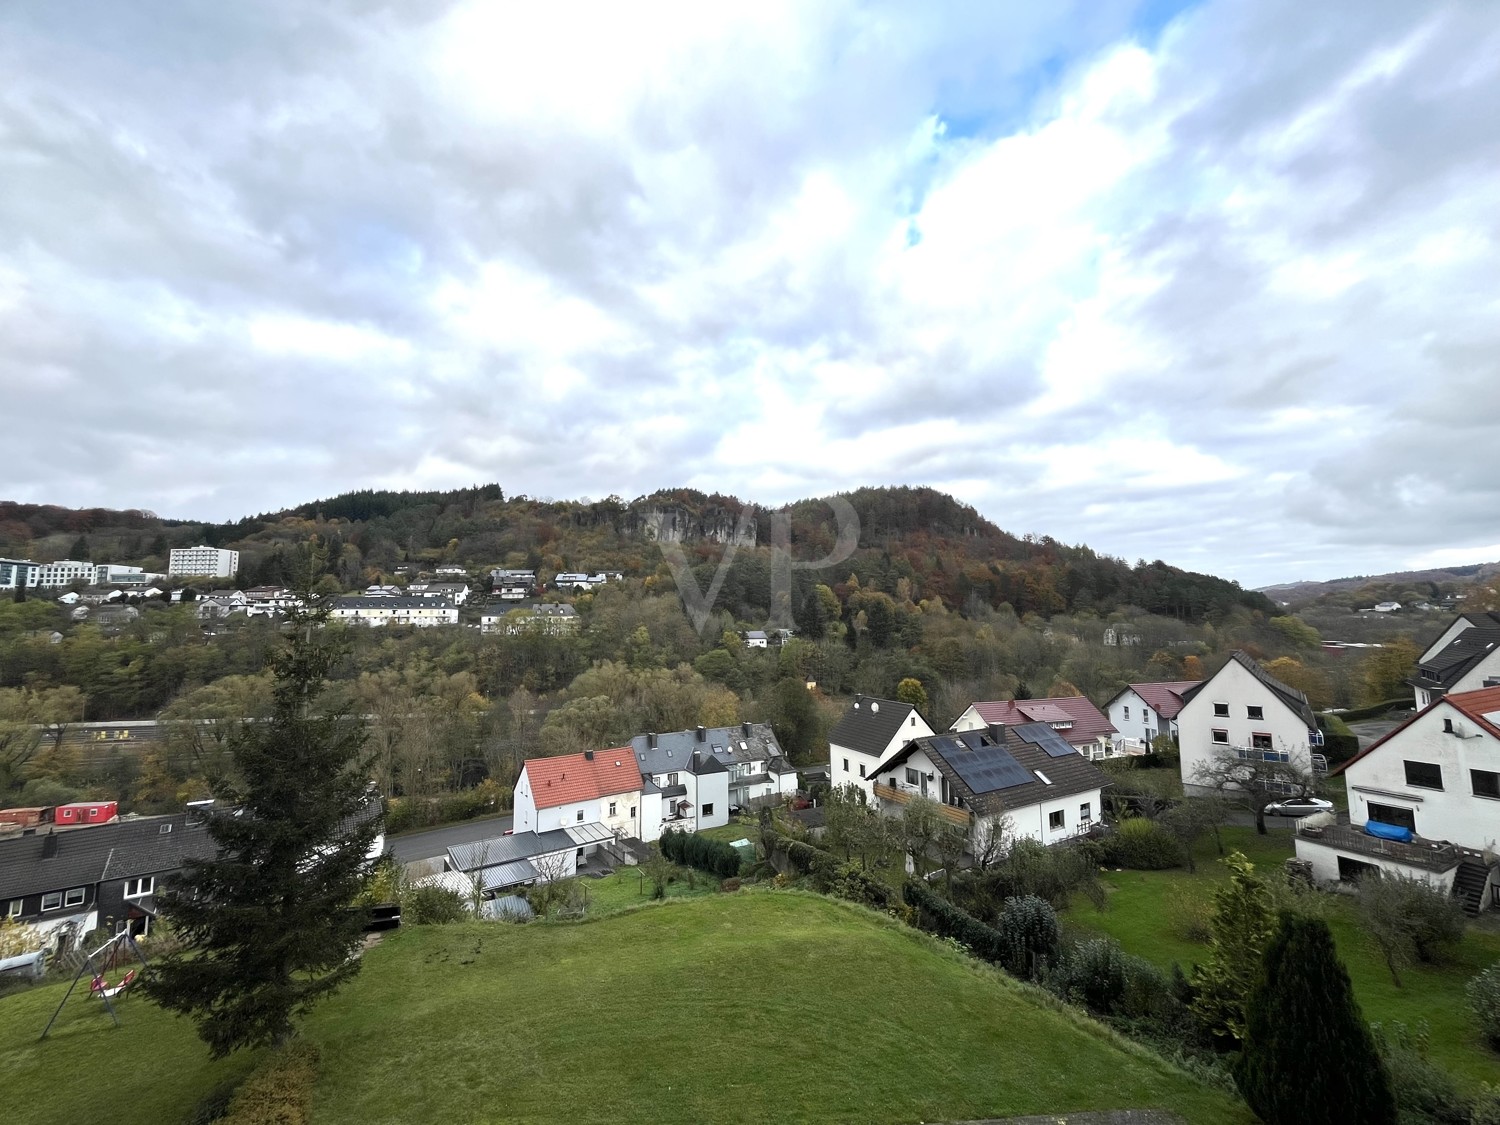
433 906
703 852
852 882
279 1092
1425 1093
1190 912
1486 1107
940 917
1094 976
1029 936
1029 867
729 885
1142 845
1408 920
1484 1001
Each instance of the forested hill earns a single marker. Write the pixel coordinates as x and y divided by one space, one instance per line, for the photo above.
915 543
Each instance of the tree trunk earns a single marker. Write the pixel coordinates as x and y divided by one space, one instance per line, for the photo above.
1260 822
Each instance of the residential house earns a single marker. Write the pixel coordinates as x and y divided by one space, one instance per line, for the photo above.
1387 607
456 592
1464 658
1424 801
1244 712
66 884
452 571
1141 712
755 638
1080 723
870 730
707 772
557 619
268 601
1026 780
582 583
596 787
416 612
513 585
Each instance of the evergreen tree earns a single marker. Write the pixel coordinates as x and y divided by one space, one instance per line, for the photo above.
1308 1057
1241 926
268 922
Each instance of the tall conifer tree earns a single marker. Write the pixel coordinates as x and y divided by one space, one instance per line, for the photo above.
268 922
1309 1057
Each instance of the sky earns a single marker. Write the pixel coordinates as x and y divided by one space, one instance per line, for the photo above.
1214 283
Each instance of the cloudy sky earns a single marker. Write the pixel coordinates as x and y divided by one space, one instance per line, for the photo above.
1215 283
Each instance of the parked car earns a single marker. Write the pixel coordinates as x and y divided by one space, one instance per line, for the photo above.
1298 806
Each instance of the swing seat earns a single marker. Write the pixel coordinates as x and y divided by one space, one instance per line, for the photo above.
100 987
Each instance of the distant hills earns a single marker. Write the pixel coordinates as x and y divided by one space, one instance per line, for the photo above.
935 545
1428 583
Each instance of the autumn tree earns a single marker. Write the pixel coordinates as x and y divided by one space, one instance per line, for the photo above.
910 690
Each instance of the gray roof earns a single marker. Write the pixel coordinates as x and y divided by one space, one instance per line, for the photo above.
718 748
507 875
870 724
1457 659
390 602
495 850
100 853
954 754
1288 695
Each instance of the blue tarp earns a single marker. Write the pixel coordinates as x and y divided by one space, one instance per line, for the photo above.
1388 831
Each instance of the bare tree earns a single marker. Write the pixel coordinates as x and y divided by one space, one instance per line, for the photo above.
1253 783
921 825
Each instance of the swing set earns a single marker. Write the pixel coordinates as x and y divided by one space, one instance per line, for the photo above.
101 962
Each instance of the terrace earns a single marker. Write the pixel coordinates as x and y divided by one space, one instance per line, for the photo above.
1429 855
902 795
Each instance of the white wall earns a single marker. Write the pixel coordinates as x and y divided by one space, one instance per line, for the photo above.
1236 686
1325 865
1135 719
914 727
1035 820
1453 813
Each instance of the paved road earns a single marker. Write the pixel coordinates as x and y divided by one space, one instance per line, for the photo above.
435 841
1368 730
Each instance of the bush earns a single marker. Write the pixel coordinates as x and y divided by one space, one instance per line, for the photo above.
853 883
1031 868
1142 845
1425 1093
1484 1001
1029 936
703 852
808 860
433 906
1094 976
1408 920
279 1092
729 885
940 917
1339 742
402 814
1190 912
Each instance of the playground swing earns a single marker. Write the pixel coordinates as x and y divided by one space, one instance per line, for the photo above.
101 962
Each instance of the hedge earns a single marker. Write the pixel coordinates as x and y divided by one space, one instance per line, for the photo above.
940 917
1375 710
1339 742
706 854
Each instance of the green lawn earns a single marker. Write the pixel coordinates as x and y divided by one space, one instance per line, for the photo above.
1146 908
756 1006
629 887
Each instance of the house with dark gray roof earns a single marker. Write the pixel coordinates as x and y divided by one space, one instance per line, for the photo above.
1000 783
1244 712
1469 661
870 730
704 772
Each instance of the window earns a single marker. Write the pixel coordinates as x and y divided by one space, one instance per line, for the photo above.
1221 738
14 909
672 777
1261 741
1086 811
1424 775
73 897
1255 712
52 901
846 765
1391 814
611 808
632 812
861 771
1221 710
708 809
1055 820
579 817
137 888
911 776
1486 783
1127 712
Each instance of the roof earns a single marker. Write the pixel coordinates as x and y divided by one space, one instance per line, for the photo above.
388 602
1455 660
582 777
495 850
996 769
86 856
1164 698
508 875
717 748
870 724
1288 695
1481 707
1089 723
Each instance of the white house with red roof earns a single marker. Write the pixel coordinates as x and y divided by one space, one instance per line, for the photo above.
1429 791
595 787
1082 725
1141 712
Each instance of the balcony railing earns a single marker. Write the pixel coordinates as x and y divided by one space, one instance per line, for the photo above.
902 794
1429 855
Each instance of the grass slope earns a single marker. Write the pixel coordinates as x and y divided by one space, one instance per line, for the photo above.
1144 916
749 1007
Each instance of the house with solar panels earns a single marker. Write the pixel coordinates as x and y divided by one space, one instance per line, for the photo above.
872 729
1025 779
1082 725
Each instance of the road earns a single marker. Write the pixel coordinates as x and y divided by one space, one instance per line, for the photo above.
433 842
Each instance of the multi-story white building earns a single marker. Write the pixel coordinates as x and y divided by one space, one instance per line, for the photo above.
17 572
1141 712
108 574
869 731
64 572
211 562
419 612
1424 801
558 619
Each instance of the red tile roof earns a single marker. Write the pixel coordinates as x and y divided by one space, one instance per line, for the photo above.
582 777
1089 723
1164 698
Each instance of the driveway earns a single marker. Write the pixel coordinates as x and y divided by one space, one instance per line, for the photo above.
433 842
1369 730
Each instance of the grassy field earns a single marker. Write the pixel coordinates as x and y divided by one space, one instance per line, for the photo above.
750 1007
1147 909
629 887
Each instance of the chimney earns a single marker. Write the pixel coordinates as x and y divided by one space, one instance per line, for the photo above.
696 756
588 755
651 740
702 734
997 732
49 845
745 729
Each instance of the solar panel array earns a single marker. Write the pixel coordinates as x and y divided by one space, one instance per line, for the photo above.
1045 738
986 768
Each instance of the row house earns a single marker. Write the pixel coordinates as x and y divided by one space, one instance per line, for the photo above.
381 611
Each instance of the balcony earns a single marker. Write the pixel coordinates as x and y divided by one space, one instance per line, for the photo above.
902 794
1429 855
